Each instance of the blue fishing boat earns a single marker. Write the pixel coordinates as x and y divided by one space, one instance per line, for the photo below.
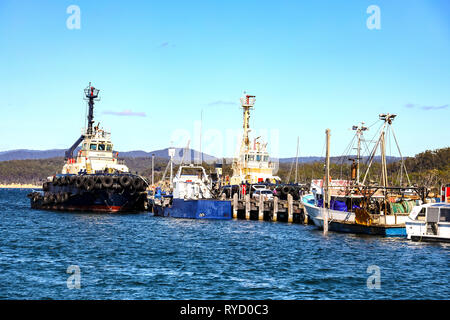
193 197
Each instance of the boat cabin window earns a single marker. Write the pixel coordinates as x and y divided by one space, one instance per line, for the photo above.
192 172
251 158
445 215
93 146
84 146
422 213
266 158
101 147
258 157
108 147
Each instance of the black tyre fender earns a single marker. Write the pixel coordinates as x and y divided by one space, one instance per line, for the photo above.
72 179
79 182
137 183
89 183
59 198
107 181
125 181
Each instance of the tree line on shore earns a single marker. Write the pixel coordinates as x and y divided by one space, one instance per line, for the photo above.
430 168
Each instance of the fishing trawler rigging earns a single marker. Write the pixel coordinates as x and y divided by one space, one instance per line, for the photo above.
253 164
95 179
361 206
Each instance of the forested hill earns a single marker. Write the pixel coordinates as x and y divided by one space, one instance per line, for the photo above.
430 168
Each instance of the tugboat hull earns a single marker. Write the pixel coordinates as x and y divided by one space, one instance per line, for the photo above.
100 201
64 194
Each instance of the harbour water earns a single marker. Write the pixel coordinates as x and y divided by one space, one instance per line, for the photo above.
138 256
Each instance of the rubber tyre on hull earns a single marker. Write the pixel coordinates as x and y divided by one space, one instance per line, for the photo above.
125 181
89 184
107 181
79 182
137 183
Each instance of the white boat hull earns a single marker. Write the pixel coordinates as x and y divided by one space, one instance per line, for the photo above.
418 231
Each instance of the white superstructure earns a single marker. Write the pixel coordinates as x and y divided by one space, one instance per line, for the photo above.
96 155
429 222
191 182
253 164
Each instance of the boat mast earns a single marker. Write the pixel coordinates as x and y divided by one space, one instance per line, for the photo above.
296 161
326 193
359 132
171 155
90 94
247 103
387 118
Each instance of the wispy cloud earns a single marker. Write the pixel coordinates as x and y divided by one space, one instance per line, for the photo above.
164 45
411 106
221 102
125 113
435 107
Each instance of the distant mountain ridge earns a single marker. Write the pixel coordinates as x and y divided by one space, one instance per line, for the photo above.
26 154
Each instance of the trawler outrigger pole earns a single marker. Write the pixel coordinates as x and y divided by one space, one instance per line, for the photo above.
90 94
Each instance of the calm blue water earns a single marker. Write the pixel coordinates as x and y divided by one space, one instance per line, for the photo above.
138 256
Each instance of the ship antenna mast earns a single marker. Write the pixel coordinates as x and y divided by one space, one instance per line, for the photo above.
247 103
91 95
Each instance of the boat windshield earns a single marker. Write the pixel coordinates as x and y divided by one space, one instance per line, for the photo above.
191 172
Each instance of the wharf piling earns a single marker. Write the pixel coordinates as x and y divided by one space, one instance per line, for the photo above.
246 208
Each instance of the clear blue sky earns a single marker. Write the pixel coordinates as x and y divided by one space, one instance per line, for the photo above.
311 64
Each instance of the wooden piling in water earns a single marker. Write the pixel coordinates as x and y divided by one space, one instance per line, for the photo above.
275 209
247 207
261 208
235 205
290 209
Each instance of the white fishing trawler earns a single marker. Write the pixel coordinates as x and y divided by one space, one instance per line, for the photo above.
356 206
253 164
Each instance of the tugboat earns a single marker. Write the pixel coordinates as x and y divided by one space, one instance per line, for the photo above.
95 180
253 164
